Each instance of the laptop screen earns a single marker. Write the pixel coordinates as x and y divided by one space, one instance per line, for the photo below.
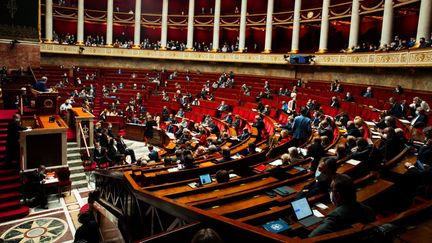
205 179
301 208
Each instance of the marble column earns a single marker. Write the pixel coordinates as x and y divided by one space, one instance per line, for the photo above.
424 23
137 25
164 29
80 29
216 26
48 21
355 25
109 30
242 34
269 27
190 29
296 27
387 25
324 27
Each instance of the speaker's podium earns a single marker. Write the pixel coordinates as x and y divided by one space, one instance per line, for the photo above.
83 123
46 142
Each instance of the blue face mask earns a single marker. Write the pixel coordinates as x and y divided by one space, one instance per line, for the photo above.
317 173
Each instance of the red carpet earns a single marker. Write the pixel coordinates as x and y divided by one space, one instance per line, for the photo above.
10 182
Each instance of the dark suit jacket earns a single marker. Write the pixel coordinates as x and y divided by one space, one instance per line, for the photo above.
354 132
421 121
343 217
425 154
301 127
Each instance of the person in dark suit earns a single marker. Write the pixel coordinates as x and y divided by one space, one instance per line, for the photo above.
395 108
251 149
323 178
36 179
391 145
41 85
420 120
324 129
148 133
266 110
259 124
244 135
123 149
228 118
226 155
424 154
222 107
237 122
114 154
368 93
100 154
302 127
153 154
316 151
334 102
349 97
352 130
348 211
12 140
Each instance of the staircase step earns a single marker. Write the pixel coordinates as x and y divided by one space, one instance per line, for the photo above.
4 197
20 212
80 184
9 205
76 169
78 176
72 156
74 162
10 187
72 144
9 179
8 172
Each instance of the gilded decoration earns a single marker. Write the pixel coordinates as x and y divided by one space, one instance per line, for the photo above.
406 58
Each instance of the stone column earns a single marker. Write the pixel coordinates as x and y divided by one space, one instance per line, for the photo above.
296 27
215 44
387 25
190 29
109 30
424 23
242 34
324 27
269 26
80 29
137 26
48 21
355 25
164 29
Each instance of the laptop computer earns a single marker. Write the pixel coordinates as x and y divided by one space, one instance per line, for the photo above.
304 213
205 179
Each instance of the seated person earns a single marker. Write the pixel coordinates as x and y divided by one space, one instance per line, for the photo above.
352 130
316 151
348 211
323 177
325 129
325 141
368 93
122 147
41 85
425 152
100 154
222 176
114 154
153 154
259 124
391 145
420 120
251 149
284 137
289 125
189 162
237 122
294 155
226 155
228 118
266 111
244 135
35 183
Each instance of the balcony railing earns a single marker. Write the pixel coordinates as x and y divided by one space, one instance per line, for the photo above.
405 58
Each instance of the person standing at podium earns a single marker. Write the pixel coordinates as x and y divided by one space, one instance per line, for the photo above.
148 133
41 85
12 141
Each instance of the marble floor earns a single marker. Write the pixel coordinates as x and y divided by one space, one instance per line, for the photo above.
58 223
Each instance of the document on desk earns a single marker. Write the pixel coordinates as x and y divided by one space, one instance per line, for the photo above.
353 161
276 162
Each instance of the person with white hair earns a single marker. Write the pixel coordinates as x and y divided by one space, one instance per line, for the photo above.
41 85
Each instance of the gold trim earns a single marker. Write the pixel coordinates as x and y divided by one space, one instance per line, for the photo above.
293 51
240 50
321 51
189 49
266 51
419 57
163 48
